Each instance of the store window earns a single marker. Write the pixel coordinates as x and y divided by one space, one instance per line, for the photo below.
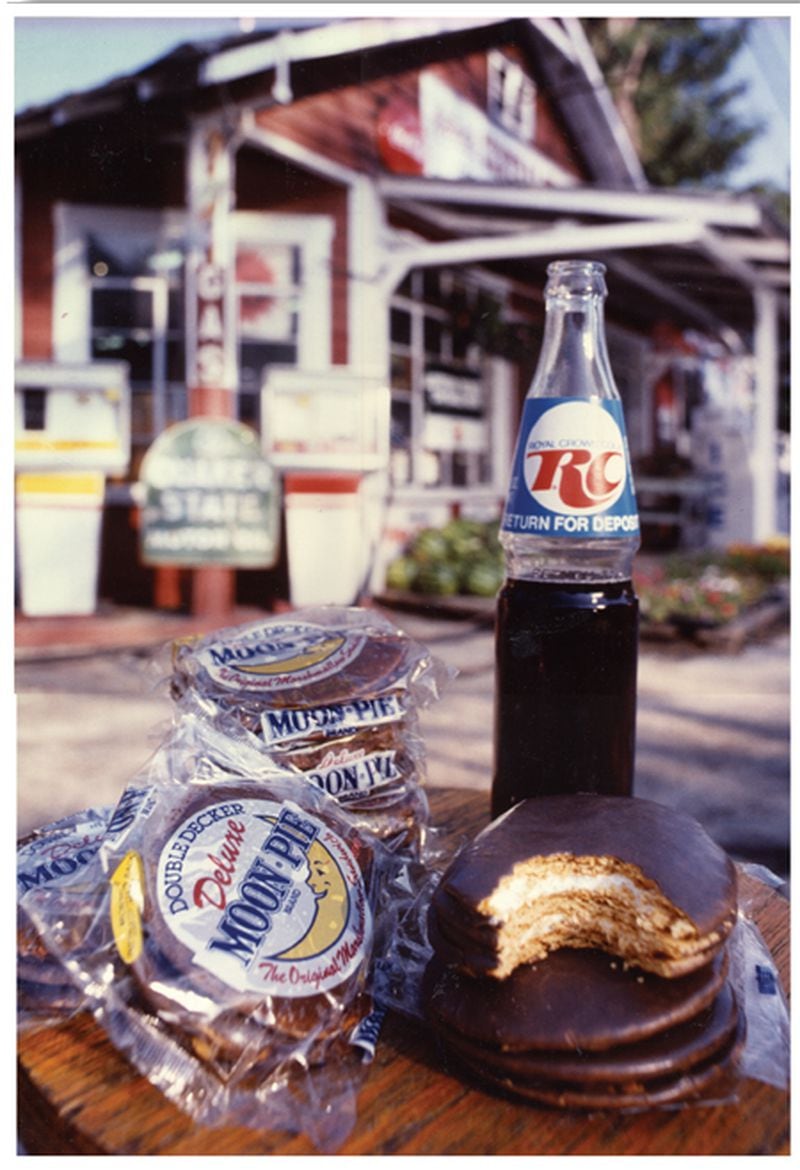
268 299
120 295
441 418
136 316
511 96
282 290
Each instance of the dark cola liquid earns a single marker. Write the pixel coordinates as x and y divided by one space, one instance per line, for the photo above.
565 690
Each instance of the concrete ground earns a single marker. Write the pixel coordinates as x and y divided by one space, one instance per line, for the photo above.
712 739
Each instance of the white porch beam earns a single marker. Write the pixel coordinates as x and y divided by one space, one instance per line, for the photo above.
649 205
773 250
563 239
329 40
716 248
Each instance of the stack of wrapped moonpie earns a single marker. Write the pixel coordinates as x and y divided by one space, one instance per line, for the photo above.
580 958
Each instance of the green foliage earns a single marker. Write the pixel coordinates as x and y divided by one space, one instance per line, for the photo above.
462 557
669 79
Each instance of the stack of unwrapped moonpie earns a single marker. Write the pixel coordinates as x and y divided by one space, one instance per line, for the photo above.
579 956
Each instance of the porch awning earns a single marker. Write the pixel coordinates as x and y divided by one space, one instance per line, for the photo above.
699 260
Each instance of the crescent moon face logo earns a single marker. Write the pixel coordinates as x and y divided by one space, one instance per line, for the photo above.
327 883
264 895
296 661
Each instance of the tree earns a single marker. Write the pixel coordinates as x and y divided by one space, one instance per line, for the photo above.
670 82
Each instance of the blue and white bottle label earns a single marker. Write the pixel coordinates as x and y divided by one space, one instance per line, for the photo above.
571 475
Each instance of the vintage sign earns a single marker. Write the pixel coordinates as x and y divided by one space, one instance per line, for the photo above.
326 419
208 365
459 141
399 133
455 412
209 496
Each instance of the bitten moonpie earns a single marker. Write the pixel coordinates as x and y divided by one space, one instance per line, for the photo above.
621 874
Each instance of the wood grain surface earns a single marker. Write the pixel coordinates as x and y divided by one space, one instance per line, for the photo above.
77 1095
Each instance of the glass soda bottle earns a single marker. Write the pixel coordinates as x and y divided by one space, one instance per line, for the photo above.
567 629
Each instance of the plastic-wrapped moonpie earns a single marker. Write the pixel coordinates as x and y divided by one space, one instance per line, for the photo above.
56 874
333 693
242 924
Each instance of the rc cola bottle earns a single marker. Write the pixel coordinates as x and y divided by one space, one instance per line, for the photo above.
567 627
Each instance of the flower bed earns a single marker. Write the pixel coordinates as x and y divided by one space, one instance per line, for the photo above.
689 594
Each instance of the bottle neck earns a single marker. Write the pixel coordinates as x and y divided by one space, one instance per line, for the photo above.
574 362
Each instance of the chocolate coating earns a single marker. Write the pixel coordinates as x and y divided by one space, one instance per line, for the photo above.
711 1078
674 1050
669 847
573 999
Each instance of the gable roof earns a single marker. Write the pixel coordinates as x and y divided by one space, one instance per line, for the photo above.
278 60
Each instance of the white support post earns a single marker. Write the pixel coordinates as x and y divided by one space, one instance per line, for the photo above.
764 451
369 346
368 323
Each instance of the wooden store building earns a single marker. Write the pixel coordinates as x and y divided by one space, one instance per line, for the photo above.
334 235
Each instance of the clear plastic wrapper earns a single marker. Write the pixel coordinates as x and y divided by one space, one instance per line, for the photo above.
331 693
767 1052
56 868
232 927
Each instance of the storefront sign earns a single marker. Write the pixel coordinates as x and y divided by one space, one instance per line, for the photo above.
209 348
454 412
209 497
211 361
461 142
400 139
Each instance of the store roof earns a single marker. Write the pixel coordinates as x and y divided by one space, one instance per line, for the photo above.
292 59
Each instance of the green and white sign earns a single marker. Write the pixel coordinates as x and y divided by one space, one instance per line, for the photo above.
209 497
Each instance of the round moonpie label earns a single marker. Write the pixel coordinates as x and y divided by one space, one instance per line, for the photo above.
60 853
571 474
266 896
280 655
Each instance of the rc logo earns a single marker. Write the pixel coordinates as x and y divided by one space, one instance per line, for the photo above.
574 459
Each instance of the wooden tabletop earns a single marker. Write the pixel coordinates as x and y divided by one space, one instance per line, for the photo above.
77 1095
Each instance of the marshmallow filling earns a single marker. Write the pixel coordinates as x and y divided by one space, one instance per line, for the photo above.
561 900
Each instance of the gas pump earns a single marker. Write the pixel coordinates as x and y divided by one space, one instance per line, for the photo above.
327 431
72 429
